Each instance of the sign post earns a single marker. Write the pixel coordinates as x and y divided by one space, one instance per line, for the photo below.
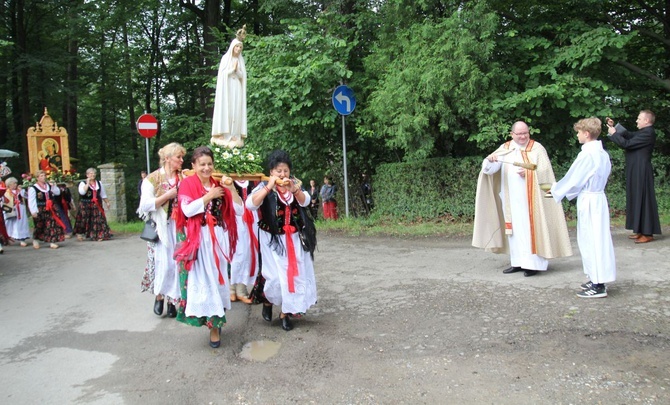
344 103
147 127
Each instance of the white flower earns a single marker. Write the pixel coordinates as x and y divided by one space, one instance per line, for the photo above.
250 156
217 150
226 155
236 151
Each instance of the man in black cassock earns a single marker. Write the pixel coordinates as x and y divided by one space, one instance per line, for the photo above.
641 206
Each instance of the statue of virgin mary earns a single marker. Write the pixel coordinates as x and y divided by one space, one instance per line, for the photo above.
229 121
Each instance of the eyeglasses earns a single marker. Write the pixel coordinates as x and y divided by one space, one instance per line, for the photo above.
521 133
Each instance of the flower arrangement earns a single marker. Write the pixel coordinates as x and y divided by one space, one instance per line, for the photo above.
243 160
53 176
28 180
58 176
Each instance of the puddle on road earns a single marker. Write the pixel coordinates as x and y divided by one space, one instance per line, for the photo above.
260 350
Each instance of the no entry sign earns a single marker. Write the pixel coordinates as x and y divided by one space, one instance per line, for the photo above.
147 125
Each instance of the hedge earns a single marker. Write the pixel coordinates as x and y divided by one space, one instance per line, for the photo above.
445 188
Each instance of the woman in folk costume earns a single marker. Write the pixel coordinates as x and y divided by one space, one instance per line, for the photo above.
48 225
91 221
287 239
229 119
64 206
207 235
4 236
245 265
18 227
158 201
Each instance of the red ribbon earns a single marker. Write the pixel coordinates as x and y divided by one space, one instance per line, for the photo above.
51 207
17 203
248 219
95 198
211 221
292 271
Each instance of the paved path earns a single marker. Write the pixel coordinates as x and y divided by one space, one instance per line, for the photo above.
398 321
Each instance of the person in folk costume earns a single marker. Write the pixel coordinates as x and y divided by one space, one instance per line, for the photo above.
64 206
91 221
328 191
18 227
641 206
4 236
287 239
511 215
158 201
207 239
48 225
245 265
229 119
586 179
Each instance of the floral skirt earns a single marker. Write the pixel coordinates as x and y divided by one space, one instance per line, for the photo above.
149 269
209 321
149 275
46 227
91 222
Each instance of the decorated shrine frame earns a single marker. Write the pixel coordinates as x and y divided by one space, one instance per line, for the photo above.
48 147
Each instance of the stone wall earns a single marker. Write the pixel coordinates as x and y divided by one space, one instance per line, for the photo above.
114 181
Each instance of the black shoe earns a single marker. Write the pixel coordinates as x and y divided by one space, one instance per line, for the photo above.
594 292
286 323
512 270
171 311
529 273
267 312
158 307
216 344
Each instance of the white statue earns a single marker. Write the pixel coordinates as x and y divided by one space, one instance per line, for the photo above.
229 122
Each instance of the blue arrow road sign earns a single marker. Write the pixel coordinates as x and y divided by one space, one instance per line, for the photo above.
344 100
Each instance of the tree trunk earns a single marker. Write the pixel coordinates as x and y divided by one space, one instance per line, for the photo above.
71 97
22 120
129 94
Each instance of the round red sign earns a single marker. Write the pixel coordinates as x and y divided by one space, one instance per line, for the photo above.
147 125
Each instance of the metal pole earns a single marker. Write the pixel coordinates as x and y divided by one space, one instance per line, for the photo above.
344 158
147 143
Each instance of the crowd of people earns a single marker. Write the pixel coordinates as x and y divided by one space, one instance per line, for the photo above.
222 240
51 207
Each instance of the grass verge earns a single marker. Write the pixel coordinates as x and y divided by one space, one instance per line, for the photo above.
387 227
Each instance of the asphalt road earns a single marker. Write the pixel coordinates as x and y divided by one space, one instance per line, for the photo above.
398 321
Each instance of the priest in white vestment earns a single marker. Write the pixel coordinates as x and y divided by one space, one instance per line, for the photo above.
511 214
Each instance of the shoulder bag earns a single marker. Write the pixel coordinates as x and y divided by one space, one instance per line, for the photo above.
10 212
149 233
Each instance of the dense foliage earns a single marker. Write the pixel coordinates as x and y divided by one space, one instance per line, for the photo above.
433 78
444 188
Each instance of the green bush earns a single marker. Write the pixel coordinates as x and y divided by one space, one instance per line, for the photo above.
445 188
427 189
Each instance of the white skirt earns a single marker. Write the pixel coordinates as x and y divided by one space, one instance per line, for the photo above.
240 267
19 228
166 274
276 281
205 296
